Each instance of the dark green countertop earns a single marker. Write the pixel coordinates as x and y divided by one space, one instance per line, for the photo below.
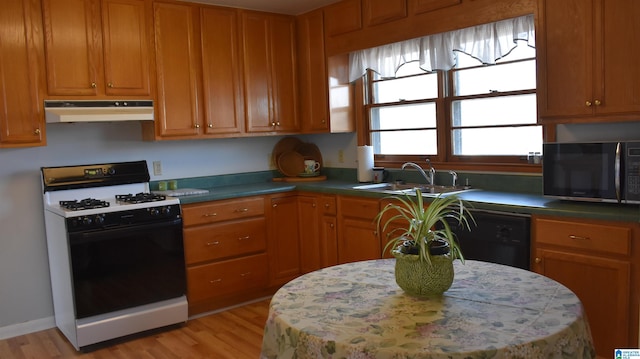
478 199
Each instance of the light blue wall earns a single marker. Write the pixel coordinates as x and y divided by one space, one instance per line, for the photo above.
25 292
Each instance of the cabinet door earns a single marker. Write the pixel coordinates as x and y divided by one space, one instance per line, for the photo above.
21 74
603 288
125 27
358 237
283 245
619 80
329 241
314 90
73 46
382 11
309 234
221 71
358 240
284 67
177 70
257 73
565 57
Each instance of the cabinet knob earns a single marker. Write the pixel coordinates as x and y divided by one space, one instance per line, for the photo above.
331 225
277 123
110 85
37 131
197 125
274 205
273 124
323 121
588 103
597 102
210 125
213 243
215 281
538 260
210 214
94 85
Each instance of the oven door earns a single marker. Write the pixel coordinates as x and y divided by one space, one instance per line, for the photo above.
127 266
582 171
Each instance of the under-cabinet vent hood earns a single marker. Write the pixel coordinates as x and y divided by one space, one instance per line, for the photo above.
98 111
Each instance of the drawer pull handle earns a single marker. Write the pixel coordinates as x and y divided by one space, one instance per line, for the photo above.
213 243
242 210
245 274
210 214
243 238
215 281
580 238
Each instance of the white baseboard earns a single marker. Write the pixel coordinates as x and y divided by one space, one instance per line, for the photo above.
31 326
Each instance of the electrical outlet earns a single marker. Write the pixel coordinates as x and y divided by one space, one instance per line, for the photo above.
157 168
340 156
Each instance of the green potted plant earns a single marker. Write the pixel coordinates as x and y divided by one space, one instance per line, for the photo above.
422 240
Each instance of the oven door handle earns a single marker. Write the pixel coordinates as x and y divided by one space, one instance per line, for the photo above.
111 232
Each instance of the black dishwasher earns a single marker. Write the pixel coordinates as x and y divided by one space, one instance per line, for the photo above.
496 237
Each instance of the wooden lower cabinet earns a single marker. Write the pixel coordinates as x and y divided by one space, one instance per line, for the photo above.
317 231
284 245
226 252
358 237
596 260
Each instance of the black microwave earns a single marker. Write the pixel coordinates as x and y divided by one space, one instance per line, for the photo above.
593 171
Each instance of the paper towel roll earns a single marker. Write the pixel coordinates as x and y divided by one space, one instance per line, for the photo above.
365 163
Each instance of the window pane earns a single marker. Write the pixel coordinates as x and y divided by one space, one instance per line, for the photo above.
501 78
406 88
503 110
497 141
420 142
403 116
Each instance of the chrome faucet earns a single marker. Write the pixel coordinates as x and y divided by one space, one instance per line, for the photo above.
429 177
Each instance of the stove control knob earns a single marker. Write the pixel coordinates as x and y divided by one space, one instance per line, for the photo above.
99 219
154 211
166 210
86 221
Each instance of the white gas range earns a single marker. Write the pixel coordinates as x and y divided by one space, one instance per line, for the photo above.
116 252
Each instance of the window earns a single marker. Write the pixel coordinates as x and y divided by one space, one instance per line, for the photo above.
493 108
470 112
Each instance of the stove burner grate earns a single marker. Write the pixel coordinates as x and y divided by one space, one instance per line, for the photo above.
87 203
139 198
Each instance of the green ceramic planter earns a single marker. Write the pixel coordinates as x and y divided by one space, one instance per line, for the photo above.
420 279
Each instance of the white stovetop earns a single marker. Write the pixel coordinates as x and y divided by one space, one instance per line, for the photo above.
52 199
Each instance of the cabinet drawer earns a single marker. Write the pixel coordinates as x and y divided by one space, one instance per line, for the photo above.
358 207
223 240
328 205
227 277
595 237
225 210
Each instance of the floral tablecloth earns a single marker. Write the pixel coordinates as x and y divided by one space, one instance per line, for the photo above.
356 310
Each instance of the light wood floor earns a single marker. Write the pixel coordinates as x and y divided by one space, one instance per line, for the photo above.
234 334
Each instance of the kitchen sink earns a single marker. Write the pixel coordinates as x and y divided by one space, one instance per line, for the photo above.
410 188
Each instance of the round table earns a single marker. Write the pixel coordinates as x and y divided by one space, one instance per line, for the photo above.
356 310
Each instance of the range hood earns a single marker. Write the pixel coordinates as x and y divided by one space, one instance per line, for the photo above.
98 111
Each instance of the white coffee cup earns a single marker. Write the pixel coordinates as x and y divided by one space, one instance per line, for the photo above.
311 166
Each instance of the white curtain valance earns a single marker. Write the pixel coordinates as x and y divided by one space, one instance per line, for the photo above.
487 43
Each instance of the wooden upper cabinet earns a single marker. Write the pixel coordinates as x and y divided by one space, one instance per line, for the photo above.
314 92
221 71
21 74
97 48
383 11
270 72
421 6
126 25
177 59
586 59
342 17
